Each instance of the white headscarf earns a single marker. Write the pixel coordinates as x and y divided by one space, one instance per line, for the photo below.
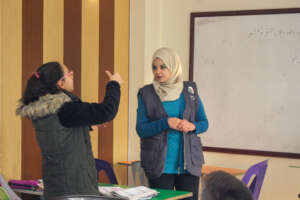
170 90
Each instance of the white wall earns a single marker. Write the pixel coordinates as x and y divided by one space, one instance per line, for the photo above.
136 70
157 23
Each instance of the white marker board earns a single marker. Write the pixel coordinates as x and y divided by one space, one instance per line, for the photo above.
247 68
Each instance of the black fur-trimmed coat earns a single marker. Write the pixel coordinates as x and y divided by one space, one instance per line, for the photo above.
62 123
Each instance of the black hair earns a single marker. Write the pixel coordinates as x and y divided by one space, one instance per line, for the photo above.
220 185
42 82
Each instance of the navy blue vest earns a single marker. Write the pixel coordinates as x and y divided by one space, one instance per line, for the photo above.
154 149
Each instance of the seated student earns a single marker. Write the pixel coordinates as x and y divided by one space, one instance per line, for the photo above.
220 185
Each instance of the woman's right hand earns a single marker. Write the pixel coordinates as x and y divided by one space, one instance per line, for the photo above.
114 77
173 122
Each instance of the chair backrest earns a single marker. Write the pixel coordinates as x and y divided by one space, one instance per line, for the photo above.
259 171
137 170
107 168
12 195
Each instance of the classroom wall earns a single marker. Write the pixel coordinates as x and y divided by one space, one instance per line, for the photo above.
136 70
36 31
10 87
167 23
121 65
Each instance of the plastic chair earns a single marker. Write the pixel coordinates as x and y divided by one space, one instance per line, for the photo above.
259 171
106 167
12 195
137 170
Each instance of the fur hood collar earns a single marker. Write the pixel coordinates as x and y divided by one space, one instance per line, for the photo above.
46 105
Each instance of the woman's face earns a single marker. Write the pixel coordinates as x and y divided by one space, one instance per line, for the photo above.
66 82
160 71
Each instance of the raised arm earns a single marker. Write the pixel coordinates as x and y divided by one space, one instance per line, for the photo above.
83 113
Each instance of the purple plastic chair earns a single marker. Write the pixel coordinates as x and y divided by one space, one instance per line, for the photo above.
259 171
106 167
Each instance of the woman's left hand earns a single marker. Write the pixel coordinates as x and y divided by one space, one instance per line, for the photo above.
186 126
99 126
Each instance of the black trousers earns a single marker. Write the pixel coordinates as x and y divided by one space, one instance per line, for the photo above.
186 182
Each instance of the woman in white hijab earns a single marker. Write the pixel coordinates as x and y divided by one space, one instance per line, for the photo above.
170 115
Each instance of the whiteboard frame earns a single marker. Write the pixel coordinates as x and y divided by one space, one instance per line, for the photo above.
193 17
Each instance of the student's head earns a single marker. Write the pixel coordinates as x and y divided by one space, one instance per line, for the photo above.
220 185
166 66
50 78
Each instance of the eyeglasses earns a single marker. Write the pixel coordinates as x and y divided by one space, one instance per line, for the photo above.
70 73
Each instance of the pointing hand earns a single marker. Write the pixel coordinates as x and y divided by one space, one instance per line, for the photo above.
114 77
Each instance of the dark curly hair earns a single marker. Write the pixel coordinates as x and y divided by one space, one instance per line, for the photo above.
220 185
43 82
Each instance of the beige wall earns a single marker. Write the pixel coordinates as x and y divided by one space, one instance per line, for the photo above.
90 59
10 87
53 30
136 74
1 72
53 49
121 62
1 84
166 23
136 70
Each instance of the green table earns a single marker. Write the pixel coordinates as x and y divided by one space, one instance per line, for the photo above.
172 194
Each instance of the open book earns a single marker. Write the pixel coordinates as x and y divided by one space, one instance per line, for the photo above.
133 193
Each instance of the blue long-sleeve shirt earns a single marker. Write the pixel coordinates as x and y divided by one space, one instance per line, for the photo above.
146 128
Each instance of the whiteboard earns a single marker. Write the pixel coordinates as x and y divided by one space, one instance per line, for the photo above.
247 69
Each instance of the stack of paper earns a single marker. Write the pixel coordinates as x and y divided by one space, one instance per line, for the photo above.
134 193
